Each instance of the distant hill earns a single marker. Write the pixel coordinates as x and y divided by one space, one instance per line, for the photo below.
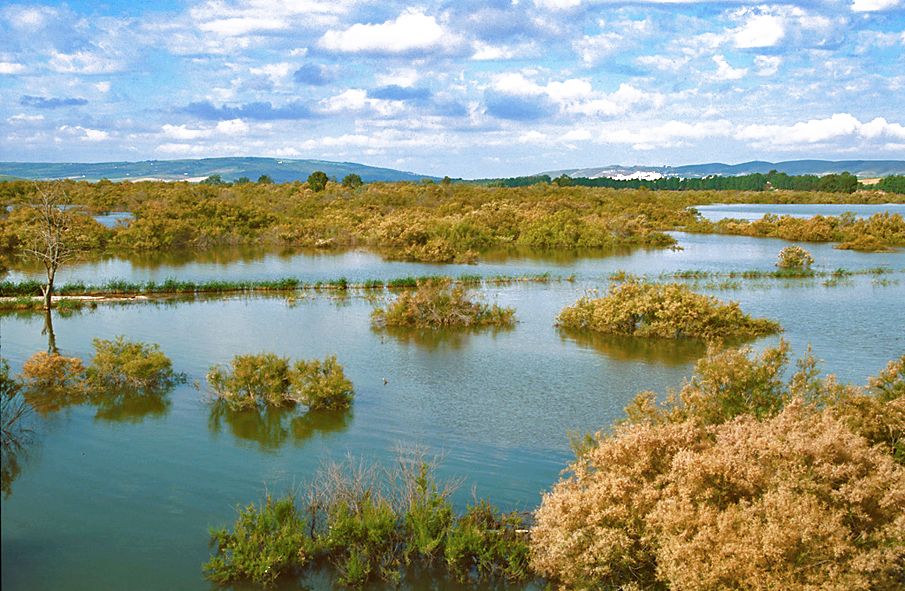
281 170
860 168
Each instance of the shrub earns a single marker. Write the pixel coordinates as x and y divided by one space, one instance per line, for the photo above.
266 542
437 303
130 365
662 310
369 523
52 381
740 481
794 258
321 385
267 380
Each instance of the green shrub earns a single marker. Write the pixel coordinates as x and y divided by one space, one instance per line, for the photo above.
267 380
130 365
321 385
662 310
266 543
438 303
490 543
795 258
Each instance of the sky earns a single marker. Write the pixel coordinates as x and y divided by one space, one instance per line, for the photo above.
460 88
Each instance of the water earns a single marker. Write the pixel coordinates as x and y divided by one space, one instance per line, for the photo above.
755 211
123 497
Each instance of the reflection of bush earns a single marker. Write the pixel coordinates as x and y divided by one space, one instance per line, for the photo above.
271 428
14 433
433 339
673 352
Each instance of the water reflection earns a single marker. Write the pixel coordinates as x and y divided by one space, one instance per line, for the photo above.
669 352
131 406
16 434
432 339
272 428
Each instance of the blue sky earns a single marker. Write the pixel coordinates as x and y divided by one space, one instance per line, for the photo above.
464 88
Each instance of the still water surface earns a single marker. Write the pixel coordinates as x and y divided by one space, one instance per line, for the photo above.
755 211
122 499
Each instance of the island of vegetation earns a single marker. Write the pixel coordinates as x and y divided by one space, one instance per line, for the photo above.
440 303
267 380
670 310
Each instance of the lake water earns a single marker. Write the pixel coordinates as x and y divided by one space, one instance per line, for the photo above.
755 211
123 497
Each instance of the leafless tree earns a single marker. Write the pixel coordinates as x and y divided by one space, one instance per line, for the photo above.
49 242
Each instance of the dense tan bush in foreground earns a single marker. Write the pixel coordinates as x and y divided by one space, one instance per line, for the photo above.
667 310
685 497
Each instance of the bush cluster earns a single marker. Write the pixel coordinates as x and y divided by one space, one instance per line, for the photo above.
369 525
794 258
268 380
662 310
439 303
740 481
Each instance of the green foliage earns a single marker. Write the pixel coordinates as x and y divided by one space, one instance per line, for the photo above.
795 258
350 181
369 525
321 385
317 181
265 180
132 365
488 543
662 310
438 303
266 542
265 380
892 184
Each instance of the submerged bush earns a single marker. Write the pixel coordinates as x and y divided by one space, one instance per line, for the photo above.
369 524
719 489
267 380
52 381
662 310
438 303
794 258
130 365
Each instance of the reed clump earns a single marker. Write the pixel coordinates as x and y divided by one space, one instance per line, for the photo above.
440 303
263 380
369 523
659 310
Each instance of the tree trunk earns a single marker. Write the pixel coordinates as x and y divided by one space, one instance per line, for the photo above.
47 290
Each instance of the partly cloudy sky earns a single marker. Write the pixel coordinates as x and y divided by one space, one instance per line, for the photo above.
464 88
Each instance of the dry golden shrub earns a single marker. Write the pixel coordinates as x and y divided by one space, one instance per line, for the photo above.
53 381
797 501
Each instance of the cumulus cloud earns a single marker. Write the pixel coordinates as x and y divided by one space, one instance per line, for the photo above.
760 30
243 17
668 134
11 68
43 102
838 127
412 31
874 5
84 133
724 71
84 62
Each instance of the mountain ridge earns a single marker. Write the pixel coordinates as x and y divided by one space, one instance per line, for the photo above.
280 170
860 168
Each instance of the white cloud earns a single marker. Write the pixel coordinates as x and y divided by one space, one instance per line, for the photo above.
726 72
11 68
83 62
244 17
237 26
357 100
841 127
277 73
760 30
102 87
23 118
874 5
592 48
404 77
232 127
84 133
767 65
181 132
486 52
410 31
557 4
663 62
669 134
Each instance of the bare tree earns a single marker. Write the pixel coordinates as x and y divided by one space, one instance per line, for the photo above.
49 242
